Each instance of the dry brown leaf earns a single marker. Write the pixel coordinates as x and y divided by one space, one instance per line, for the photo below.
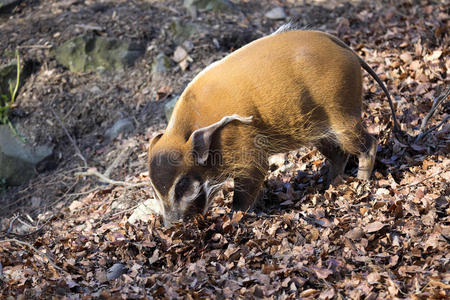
374 227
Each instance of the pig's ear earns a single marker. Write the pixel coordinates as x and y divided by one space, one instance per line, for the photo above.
202 137
154 140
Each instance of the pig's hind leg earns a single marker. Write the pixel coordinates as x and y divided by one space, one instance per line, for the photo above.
336 157
367 155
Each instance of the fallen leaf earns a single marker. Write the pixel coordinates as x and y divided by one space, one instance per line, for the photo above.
374 227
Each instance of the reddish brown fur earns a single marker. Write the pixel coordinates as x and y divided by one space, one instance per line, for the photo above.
303 88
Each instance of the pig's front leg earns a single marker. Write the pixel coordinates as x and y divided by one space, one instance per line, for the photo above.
247 191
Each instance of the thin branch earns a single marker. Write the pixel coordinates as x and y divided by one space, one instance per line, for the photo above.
103 178
8 233
120 158
424 179
123 211
72 140
35 47
424 134
89 27
436 103
36 250
11 224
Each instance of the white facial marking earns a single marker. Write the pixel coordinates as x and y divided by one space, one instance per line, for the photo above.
209 190
161 203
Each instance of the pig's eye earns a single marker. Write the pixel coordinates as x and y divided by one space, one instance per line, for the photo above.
183 185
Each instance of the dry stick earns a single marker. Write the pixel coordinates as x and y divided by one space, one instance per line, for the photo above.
11 224
424 179
119 158
422 135
89 27
123 211
26 234
77 150
35 47
436 102
36 250
103 178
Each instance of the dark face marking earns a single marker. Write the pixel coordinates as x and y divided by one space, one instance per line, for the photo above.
164 168
183 185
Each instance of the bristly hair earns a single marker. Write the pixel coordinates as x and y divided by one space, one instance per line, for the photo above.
293 24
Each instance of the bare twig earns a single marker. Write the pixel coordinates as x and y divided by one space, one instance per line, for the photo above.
9 233
103 178
424 134
72 140
124 211
35 47
83 193
11 223
424 179
436 103
35 250
89 27
26 224
120 158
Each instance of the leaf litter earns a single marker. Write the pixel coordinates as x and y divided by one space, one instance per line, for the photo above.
386 238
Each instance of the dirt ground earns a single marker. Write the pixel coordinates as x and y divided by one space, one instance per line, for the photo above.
387 238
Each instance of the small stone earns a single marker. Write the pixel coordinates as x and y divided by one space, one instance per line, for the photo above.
169 106
144 210
188 45
180 54
276 13
115 271
161 64
121 126
182 31
202 5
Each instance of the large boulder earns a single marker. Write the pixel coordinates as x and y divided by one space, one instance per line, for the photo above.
86 53
18 159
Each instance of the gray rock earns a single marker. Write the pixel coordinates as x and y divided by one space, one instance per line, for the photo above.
202 5
180 54
115 271
6 5
182 31
188 45
18 159
121 126
89 52
161 64
144 211
168 107
276 13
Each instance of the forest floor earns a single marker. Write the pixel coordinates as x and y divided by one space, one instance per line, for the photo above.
66 235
